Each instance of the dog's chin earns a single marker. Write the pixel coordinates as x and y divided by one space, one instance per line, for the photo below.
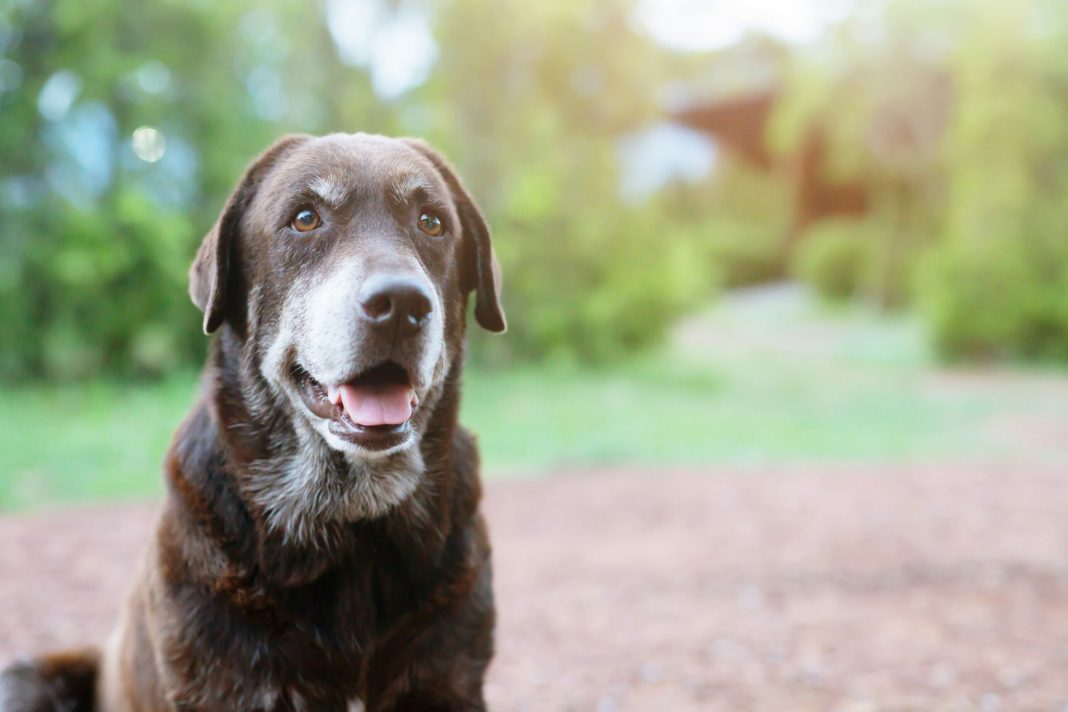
369 416
392 443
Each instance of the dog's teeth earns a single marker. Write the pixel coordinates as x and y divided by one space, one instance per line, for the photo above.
333 394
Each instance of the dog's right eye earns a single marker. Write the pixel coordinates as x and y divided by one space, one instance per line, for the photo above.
306 220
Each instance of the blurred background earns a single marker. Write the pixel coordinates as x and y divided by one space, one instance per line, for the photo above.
806 246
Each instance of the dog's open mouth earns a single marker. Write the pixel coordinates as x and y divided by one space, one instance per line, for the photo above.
373 410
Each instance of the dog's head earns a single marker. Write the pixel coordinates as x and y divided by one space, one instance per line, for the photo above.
343 264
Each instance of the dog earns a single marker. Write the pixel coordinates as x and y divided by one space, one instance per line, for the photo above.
321 545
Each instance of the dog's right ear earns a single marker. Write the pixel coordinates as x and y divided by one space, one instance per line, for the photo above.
210 273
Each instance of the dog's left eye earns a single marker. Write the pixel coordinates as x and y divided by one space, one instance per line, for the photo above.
306 220
431 224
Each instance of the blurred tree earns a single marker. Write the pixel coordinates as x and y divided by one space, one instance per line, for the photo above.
97 237
529 99
953 114
998 284
124 125
877 97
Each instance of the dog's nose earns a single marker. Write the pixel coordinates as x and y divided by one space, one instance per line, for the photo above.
394 301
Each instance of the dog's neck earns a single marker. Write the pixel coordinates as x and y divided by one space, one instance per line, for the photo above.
306 500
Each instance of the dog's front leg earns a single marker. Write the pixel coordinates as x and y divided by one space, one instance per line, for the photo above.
437 659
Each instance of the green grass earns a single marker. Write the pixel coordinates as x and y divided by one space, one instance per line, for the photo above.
87 441
766 378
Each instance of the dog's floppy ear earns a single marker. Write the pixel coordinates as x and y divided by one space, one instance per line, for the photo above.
210 273
480 271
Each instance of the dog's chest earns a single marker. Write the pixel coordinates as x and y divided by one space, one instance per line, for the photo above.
308 647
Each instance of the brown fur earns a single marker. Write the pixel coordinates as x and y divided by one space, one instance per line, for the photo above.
232 611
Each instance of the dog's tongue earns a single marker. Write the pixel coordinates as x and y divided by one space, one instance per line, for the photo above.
382 404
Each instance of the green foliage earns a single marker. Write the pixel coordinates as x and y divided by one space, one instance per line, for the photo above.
952 115
994 300
744 226
746 252
97 242
834 258
587 276
617 289
999 284
528 99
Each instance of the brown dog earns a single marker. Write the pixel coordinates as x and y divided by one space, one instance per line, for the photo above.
321 546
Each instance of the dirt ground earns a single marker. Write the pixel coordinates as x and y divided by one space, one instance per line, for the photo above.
808 588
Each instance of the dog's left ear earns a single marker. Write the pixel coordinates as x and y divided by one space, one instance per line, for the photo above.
480 271
210 273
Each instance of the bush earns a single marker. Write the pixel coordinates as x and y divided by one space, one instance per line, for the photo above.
997 299
604 285
746 233
105 293
746 252
834 258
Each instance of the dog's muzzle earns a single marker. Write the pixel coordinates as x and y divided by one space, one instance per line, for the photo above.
365 360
